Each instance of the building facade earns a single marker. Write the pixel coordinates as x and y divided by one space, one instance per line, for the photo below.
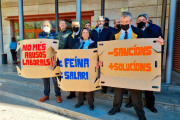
35 11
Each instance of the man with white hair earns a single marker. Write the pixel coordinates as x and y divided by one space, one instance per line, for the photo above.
47 33
100 33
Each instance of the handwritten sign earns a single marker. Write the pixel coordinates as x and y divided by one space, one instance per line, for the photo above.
38 58
78 71
132 64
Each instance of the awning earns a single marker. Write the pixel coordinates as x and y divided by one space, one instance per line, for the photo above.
68 15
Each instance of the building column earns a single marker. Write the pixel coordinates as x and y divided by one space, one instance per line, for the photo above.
1 34
163 21
56 16
21 25
102 7
170 42
78 11
21 20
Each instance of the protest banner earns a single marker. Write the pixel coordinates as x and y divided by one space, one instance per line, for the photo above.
38 58
78 72
132 64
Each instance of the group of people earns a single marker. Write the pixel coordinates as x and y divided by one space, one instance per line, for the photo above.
87 38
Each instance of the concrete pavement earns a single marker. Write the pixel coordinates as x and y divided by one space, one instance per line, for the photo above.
31 90
12 109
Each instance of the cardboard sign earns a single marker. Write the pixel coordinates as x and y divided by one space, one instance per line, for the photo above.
132 64
78 72
38 58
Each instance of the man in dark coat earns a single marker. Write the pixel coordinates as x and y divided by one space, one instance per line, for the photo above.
142 23
106 24
100 33
47 33
128 32
72 39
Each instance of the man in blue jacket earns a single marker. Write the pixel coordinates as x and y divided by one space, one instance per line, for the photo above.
100 33
49 34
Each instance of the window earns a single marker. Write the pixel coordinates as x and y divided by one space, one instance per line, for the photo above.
32 29
32 23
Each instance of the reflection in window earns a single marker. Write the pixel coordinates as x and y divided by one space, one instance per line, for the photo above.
83 22
30 35
38 24
29 25
16 25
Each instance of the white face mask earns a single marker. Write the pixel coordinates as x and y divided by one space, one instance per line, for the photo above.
100 26
46 29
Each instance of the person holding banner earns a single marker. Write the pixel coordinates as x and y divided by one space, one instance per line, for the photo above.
85 43
127 31
100 33
142 23
72 39
48 34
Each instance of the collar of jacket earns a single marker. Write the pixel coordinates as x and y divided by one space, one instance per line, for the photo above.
96 29
117 35
72 35
50 34
63 31
90 41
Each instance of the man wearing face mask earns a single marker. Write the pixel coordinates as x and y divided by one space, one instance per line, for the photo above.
106 24
126 32
142 23
72 39
116 25
49 34
100 33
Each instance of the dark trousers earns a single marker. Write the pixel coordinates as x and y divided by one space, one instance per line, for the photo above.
137 100
150 99
90 97
13 53
72 93
46 82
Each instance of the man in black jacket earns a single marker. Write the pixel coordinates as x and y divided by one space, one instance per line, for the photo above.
72 39
142 23
101 33
106 24
116 25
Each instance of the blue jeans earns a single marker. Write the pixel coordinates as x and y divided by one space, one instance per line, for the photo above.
46 82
